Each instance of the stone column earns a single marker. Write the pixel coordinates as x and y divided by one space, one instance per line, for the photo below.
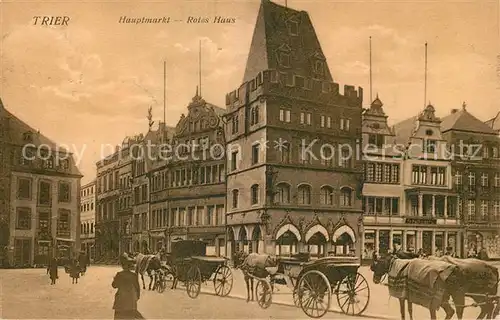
419 235
420 205
458 214
377 240
433 243
433 208
446 240
445 207
391 239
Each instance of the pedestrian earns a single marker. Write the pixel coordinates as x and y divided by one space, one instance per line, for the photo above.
129 291
74 271
52 271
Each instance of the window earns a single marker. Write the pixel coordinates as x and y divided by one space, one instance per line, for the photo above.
484 180
64 192
284 115
322 121
497 180
255 194
255 153
496 209
24 188
282 194
327 196
370 172
485 152
472 179
346 197
63 226
304 194
419 175
484 209
345 124
326 87
345 160
44 193
23 221
44 221
299 81
236 195
285 152
254 115
328 122
494 152
327 155
471 208
430 146
458 178
319 66
284 59
304 156
293 28
235 124
210 215
376 140
234 160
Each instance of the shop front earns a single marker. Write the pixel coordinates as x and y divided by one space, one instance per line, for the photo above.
487 239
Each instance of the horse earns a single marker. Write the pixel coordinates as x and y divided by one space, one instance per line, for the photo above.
451 286
253 265
147 263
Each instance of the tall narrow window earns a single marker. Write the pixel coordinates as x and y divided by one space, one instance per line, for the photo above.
345 197
255 153
236 195
255 194
304 194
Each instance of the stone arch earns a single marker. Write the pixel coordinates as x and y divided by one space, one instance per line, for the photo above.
318 228
288 227
256 233
344 229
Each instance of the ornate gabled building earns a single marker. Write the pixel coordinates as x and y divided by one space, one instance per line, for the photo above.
197 171
292 182
39 196
476 179
429 219
382 189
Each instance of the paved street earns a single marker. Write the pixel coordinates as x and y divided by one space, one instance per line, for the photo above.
27 293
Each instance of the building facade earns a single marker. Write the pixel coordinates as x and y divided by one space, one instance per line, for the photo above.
87 219
419 209
40 187
476 179
196 185
293 181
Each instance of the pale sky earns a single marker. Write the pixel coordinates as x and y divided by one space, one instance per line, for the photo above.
90 83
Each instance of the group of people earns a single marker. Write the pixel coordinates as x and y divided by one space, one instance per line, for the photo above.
74 268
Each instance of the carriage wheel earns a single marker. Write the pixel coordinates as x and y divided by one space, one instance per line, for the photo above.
296 300
264 294
314 294
223 281
193 282
353 294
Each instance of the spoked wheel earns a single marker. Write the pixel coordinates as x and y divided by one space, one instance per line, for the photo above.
353 294
223 281
314 294
264 294
193 282
296 300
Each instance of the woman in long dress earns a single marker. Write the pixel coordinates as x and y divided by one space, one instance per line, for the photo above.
52 270
74 271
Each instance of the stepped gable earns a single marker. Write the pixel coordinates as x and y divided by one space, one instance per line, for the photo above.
278 30
462 120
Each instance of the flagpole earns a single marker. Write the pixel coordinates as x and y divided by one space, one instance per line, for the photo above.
199 66
371 96
164 95
425 77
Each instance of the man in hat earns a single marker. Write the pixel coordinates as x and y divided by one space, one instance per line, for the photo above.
129 291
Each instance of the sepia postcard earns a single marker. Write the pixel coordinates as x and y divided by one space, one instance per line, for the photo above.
249 159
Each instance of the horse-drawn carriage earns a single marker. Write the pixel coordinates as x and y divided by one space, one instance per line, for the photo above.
189 263
313 282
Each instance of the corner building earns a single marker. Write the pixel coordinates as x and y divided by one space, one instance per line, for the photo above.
281 198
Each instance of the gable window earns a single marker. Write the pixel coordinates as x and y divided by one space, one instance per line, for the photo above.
23 221
255 154
293 28
282 194
64 192
255 194
376 140
44 193
254 115
24 188
235 124
299 81
326 87
236 195
430 146
345 124
319 66
304 194
284 115
284 59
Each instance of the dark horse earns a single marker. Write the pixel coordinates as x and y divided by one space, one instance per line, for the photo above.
484 280
147 263
253 265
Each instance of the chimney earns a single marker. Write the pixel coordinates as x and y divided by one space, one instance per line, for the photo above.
454 111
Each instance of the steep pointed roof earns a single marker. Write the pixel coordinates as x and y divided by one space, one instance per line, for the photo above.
494 122
279 29
462 120
404 130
